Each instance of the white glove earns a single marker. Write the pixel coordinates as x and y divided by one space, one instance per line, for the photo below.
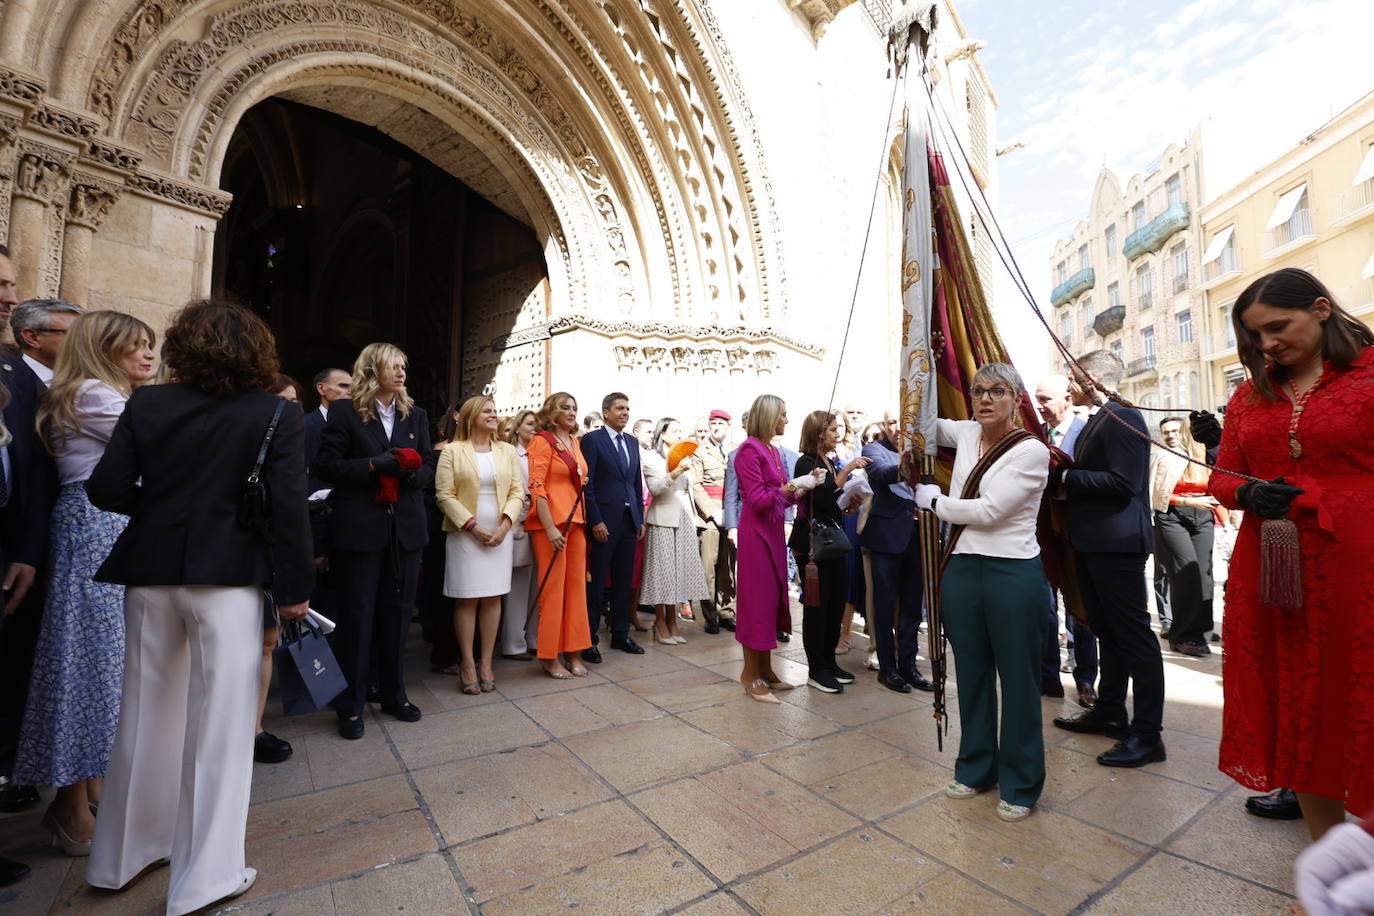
925 494
1335 876
808 481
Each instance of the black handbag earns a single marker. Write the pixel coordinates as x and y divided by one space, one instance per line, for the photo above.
828 541
255 509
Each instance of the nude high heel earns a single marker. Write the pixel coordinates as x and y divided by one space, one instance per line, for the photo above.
62 839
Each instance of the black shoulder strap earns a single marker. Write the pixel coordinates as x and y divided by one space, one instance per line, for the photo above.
267 440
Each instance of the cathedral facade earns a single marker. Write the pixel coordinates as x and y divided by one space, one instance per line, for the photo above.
667 197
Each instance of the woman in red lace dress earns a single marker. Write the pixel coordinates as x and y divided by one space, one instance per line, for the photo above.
1299 684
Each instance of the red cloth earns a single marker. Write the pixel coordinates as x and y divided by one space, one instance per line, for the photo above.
1299 685
1189 488
715 491
389 485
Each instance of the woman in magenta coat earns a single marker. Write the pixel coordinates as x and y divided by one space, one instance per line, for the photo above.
761 604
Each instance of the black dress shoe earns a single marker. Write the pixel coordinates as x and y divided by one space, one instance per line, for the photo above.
15 798
784 637
1093 723
592 655
407 712
268 748
352 729
1051 688
625 645
374 694
712 627
1279 805
893 682
917 680
11 871
727 623
1134 751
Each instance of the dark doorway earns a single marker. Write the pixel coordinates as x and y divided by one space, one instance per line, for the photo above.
339 236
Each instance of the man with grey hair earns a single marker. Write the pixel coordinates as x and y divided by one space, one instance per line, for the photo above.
40 328
1111 533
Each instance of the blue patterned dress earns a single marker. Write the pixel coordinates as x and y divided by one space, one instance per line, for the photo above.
78 671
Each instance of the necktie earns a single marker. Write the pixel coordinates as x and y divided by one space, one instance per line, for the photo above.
1054 435
620 449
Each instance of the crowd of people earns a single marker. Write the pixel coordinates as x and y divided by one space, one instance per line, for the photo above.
138 637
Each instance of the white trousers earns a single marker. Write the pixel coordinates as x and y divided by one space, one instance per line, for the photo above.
191 661
515 636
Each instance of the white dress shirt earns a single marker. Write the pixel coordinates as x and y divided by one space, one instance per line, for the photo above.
97 407
1000 522
387 414
324 410
43 372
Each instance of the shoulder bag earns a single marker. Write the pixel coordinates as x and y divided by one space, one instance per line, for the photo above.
255 508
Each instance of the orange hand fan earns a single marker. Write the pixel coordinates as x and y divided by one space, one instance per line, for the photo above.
680 453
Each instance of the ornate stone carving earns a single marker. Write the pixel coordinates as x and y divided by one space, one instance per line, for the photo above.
21 88
819 13
713 360
202 200
63 123
91 200
42 172
667 331
107 153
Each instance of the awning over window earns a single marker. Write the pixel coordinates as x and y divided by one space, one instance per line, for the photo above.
1368 268
1366 169
1218 245
1283 210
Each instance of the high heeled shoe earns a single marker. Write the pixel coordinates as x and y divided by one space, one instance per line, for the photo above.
61 838
664 640
765 697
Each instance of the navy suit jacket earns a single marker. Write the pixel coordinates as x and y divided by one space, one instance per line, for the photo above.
1108 486
314 425
611 486
1071 436
33 475
891 518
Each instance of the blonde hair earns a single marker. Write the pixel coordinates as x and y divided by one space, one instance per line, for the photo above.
763 417
367 379
512 434
95 342
552 406
468 414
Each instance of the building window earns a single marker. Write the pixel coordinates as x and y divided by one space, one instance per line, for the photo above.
1066 326
1084 262
1173 188
1147 342
1144 287
1179 258
1138 214
1194 389
1116 350
1113 295
1220 256
1085 313
1166 385
1185 326
1061 272
1291 218
1111 240
1228 330
1234 376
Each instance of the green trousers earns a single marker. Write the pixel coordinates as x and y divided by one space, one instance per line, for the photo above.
994 616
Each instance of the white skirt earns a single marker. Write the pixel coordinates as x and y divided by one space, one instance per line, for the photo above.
472 569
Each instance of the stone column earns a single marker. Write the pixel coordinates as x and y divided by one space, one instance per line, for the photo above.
39 177
91 201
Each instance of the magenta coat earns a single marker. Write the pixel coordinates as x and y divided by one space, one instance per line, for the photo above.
761 607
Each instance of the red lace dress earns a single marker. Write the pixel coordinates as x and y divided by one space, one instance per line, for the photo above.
1299 684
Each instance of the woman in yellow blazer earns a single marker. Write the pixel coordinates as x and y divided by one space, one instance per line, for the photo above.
481 492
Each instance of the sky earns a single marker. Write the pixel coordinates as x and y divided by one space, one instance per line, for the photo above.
1112 83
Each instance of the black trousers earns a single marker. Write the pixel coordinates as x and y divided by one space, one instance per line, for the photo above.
821 623
1113 586
373 600
616 559
1187 534
894 601
18 640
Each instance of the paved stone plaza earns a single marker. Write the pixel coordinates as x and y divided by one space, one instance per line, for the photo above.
655 785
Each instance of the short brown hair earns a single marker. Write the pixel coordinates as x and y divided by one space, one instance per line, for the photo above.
221 348
813 431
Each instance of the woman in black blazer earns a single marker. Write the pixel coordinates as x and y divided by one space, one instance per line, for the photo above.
176 464
375 544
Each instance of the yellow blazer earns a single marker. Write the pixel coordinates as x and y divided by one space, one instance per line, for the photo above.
456 483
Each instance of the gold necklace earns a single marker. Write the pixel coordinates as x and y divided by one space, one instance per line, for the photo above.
1299 404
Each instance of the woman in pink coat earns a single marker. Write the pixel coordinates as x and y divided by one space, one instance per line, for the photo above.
761 605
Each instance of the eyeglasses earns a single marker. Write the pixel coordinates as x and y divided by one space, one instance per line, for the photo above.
996 394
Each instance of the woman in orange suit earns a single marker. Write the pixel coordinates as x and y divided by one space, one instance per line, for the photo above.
559 537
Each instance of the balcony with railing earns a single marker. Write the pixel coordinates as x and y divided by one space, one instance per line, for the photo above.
1143 366
1152 236
1295 233
1180 282
1225 265
1109 320
1353 204
1078 283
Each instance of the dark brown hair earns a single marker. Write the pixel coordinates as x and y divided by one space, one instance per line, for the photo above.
813 431
284 382
1343 336
221 348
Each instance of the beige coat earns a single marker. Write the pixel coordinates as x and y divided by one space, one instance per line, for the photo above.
456 483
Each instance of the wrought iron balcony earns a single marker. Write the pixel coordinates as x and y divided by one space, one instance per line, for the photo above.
1109 320
1180 282
1152 236
1079 282
1143 366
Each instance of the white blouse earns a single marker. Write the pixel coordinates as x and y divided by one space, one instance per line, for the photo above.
1001 520
97 407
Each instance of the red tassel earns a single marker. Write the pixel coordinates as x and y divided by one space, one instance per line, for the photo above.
811 586
1280 564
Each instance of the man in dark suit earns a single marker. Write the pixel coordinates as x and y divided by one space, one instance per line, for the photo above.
614 506
330 385
1064 427
892 565
1111 533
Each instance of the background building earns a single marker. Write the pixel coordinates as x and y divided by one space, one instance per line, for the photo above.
667 197
1312 207
1127 279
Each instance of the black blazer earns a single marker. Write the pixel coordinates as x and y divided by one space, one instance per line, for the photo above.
314 425
176 465
823 502
33 475
1108 486
347 445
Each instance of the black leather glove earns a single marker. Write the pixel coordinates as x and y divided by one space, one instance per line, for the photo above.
1268 498
386 463
1205 428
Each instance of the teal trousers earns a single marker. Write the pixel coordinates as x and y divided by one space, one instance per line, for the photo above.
994 616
